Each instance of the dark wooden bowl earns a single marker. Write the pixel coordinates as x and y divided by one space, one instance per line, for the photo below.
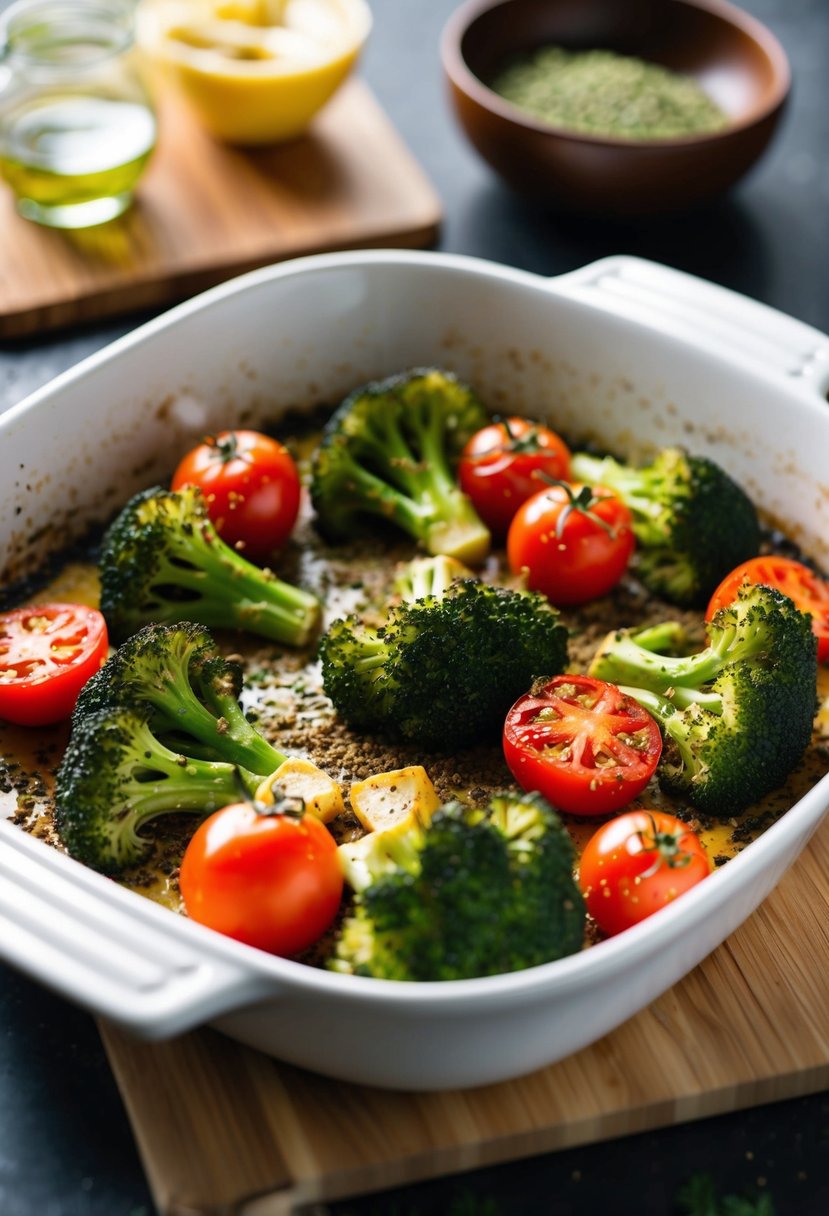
736 59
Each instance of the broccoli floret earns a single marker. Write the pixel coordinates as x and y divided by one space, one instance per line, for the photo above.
474 892
442 670
736 716
693 524
116 775
390 451
162 560
192 690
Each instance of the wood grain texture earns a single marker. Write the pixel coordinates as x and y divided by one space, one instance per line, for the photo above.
223 1129
205 212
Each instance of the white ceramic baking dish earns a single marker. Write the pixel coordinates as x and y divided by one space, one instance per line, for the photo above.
639 354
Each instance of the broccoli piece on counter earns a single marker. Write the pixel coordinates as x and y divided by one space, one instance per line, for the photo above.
693 523
192 690
737 716
444 668
162 560
116 775
390 451
473 892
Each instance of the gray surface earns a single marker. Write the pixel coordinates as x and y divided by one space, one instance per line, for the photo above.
65 1146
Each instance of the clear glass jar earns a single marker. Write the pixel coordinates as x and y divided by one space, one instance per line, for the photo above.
76 123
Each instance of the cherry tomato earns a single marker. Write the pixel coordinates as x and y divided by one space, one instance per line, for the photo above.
573 542
808 590
47 654
251 488
636 864
582 743
263 875
504 464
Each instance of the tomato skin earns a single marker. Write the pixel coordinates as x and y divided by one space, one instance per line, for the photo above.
47 654
263 876
571 555
499 468
251 488
563 738
808 590
636 864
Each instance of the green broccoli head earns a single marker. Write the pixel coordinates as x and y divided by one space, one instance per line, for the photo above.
692 522
116 776
390 451
162 560
178 671
443 671
476 892
738 715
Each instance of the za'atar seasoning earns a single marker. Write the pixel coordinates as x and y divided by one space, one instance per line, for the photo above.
601 93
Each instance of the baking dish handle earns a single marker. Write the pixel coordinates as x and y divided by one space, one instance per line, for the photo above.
742 329
106 949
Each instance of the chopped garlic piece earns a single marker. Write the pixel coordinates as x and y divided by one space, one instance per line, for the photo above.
387 799
297 778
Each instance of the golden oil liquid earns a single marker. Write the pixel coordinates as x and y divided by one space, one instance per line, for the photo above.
73 160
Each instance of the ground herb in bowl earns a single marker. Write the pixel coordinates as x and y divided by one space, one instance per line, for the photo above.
601 93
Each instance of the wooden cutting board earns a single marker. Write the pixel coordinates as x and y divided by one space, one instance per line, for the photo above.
224 1130
205 212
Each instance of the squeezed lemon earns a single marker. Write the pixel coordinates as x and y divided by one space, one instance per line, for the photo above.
254 72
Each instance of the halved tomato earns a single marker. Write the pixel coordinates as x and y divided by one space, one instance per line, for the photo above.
808 590
47 653
582 743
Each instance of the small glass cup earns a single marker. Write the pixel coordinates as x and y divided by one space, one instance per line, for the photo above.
76 123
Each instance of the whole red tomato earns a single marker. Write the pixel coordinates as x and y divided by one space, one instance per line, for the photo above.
47 654
503 465
636 864
251 488
263 875
572 542
582 743
808 590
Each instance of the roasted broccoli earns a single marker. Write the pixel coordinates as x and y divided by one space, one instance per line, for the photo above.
162 560
192 690
473 892
693 524
390 451
442 670
116 775
736 716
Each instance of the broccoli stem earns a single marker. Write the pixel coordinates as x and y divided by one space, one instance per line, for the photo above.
233 593
430 504
625 661
223 714
668 637
152 757
390 501
671 723
429 576
371 660
202 792
462 535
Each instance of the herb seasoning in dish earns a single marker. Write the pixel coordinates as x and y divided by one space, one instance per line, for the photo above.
605 94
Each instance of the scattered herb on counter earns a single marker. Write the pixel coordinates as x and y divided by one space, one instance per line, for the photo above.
602 93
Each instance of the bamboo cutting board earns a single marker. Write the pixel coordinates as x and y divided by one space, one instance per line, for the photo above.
205 212
224 1130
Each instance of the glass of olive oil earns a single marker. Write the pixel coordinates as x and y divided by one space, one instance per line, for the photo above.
76 124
